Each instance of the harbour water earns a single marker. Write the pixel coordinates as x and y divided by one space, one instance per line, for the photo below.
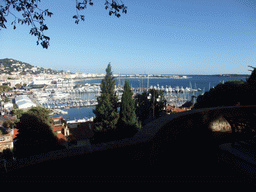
204 82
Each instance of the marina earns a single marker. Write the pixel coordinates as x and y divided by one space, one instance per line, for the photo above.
77 102
76 97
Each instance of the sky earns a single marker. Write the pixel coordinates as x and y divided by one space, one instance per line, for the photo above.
182 37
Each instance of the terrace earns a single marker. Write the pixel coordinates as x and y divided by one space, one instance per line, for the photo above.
177 147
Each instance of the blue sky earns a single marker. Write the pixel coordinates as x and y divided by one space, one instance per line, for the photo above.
155 36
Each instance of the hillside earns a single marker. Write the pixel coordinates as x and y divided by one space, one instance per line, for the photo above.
12 66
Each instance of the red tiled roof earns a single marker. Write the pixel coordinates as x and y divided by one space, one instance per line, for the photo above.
60 117
15 133
57 128
61 136
177 110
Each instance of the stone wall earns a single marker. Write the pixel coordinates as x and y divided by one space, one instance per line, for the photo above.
220 124
176 145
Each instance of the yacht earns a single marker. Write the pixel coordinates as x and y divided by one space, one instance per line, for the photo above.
59 95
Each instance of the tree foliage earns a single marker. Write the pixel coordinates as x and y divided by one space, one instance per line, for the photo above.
6 99
18 113
127 115
143 106
230 93
18 86
35 133
5 88
106 115
10 123
41 113
227 94
249 89
236 92
34 16
157 100
149 104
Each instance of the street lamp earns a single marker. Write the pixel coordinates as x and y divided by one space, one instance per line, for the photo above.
157 100
149 96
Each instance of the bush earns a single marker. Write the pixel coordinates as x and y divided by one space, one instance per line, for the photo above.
227 94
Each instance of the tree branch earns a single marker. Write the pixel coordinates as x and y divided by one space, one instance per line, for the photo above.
33 15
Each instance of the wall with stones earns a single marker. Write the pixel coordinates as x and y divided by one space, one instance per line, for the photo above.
220 124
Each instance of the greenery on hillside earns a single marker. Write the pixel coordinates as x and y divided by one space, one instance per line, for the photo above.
11 65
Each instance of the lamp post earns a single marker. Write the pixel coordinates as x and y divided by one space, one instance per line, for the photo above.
154 100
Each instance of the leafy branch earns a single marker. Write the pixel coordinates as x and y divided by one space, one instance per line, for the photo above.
34 16
114 8
31 15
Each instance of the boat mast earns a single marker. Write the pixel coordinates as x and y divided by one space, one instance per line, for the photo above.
148 82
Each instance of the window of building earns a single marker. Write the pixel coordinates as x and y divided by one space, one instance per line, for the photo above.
2 138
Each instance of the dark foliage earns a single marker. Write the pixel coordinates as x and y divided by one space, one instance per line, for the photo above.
106 115
227 94
34 137
158 101
149 105
127 115
230 93
10 124
42 114
143 107
107 126
249 89
7 154
34 16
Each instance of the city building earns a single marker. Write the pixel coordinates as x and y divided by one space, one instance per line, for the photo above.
60 128
6 139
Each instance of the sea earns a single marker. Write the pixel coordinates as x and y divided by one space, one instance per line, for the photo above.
204 82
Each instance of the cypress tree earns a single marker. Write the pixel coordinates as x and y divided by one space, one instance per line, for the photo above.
106 115
127 115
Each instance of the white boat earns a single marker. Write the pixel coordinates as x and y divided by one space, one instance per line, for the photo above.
182 89
170 89
59 95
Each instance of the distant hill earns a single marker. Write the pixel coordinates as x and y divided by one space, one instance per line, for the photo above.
11 66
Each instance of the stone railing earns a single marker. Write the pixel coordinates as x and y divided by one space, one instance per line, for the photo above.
184 143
